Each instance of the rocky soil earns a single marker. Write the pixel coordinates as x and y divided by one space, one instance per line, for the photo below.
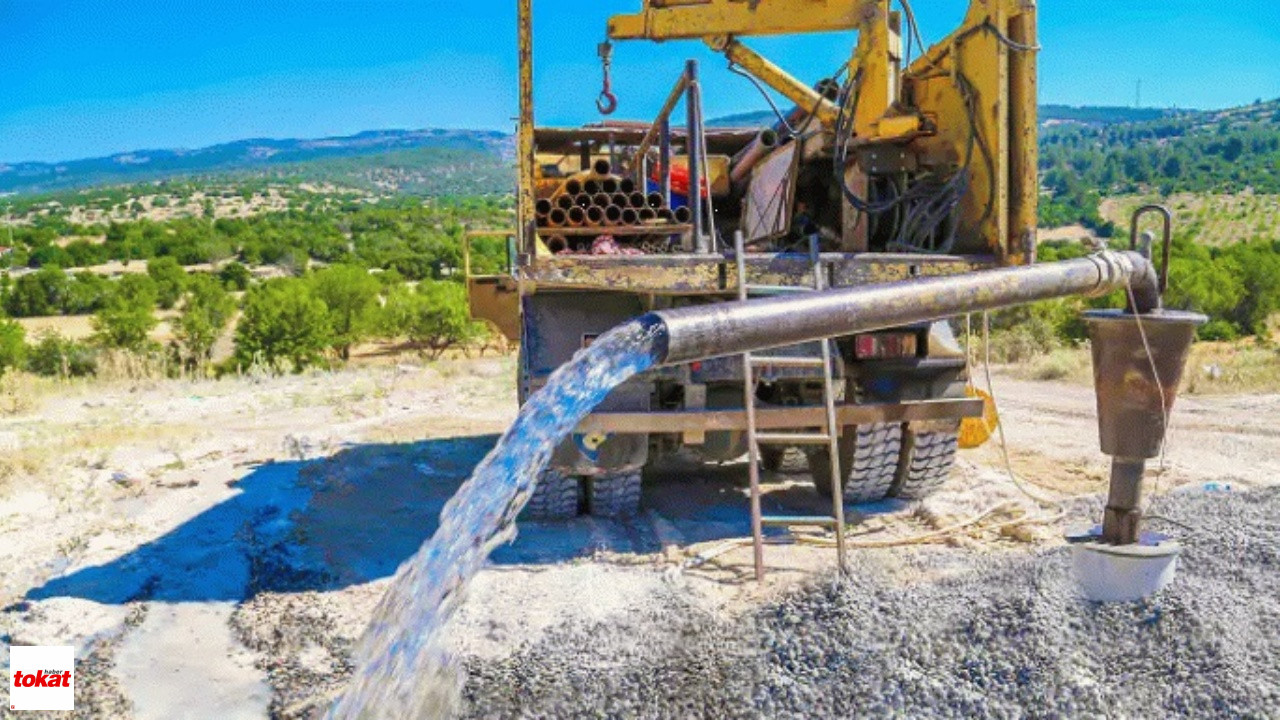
214 549
995 636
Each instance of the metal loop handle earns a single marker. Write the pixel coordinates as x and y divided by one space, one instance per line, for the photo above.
1167 239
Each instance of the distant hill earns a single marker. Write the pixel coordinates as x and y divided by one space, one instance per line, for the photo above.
1102 114
428 161
1206 151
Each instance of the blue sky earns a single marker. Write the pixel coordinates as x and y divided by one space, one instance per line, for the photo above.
80 78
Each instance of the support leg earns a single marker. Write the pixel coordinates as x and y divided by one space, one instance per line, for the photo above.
1122 520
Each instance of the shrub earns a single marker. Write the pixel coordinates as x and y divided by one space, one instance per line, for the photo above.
234 276
283 321
205 314
1217 330
13 345
57 356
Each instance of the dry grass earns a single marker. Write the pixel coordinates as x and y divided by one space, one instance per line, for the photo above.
1215 219
1213 368
80 327
1229 368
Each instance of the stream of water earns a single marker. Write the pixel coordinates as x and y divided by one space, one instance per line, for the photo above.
401 668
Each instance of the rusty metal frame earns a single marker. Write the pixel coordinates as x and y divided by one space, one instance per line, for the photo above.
694 274
779 418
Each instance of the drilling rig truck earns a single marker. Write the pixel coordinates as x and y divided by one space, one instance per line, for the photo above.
909 161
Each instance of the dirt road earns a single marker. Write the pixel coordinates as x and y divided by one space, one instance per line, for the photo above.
212 549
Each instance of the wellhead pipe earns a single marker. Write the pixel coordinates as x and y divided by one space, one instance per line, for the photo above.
721 329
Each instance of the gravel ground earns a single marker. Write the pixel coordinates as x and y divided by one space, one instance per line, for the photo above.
1001 636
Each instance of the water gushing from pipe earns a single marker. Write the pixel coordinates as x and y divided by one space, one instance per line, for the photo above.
402 670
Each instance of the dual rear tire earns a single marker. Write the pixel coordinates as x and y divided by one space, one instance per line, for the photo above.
882 460
559 496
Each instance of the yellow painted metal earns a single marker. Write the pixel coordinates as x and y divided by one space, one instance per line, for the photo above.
1024 153
775 77
525 201
967 77
897 126
877 90
980 81
976 431
686 19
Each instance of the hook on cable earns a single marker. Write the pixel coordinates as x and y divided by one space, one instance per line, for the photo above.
607 102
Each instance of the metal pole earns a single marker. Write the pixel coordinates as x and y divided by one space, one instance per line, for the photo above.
833 429
749 405
665 155
664 115
1121 523
525 214
692 152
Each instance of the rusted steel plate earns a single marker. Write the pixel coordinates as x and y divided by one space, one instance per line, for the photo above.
649 273
872 269
681 274
777 418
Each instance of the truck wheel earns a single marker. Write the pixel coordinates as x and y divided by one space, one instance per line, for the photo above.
615 495
868 459
927 459
555 497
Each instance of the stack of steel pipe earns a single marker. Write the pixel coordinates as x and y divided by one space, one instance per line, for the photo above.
600 199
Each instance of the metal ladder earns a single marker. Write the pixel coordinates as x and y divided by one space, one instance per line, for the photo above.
751 363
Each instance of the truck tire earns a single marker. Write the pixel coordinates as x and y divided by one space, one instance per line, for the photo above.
868 458
615 495
927 459
555 497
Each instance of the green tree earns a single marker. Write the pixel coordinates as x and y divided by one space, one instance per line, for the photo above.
351 294
128 316
40 293
86 293
234 276
434 318
13 345
283 321
205 314
170 279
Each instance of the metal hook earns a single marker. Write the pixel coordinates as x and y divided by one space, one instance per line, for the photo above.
607 102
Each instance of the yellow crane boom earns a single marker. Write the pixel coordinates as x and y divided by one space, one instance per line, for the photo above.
968 103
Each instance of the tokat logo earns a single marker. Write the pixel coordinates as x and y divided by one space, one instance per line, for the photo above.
42 677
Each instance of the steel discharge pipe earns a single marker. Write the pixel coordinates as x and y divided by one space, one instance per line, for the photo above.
731 328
